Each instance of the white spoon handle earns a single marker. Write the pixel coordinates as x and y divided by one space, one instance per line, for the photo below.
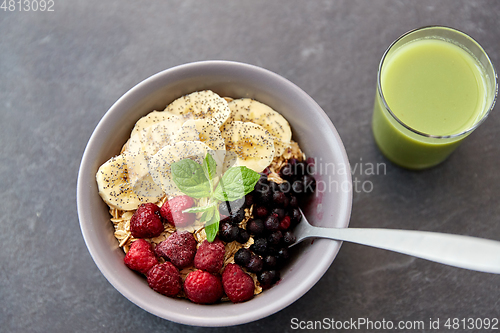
455 250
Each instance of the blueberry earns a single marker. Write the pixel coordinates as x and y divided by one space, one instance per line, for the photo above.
283 255
272 223
237 217
265 196
275 237
286 203
280 212
255 227
286 171
272 250
269 261
298 187
299 169
309 184
266 278
259 246
242 256
261 211
296 216
279 199
289 238
243 236
275 187
262 184
226 219
285 187
249 199
255 264
228 232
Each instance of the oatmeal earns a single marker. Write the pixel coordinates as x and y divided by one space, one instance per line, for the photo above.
212 185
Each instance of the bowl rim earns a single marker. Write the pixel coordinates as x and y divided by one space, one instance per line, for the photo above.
83 191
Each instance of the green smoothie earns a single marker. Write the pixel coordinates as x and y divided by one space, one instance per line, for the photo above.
437 89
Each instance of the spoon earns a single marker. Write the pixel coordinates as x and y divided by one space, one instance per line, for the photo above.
468 252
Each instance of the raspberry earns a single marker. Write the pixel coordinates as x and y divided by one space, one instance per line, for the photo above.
202 287
172 209
210 256
285 223
165 279
146 221
238 285
179 248
140 257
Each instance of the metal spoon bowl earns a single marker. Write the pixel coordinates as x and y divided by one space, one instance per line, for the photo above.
467 252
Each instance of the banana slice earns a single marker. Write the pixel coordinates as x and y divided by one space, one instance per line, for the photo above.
229 160
161 162
114 188
253 145
250 110
207 132
201 105
151 119
154 131
160 135
202 130
138 170
151 133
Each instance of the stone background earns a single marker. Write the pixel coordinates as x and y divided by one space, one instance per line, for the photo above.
60 71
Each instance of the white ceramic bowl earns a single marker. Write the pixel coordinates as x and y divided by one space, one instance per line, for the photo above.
311 128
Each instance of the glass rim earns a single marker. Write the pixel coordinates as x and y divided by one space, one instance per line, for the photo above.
473 127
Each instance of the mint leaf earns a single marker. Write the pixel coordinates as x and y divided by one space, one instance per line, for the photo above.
236 183
190 178
207 215
212 226
203 217
199 209
209 166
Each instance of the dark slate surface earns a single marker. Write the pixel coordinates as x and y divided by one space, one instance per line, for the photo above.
61 71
